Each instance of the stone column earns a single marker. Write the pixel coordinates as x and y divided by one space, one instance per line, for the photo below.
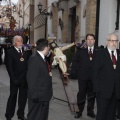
32 23
54 20
78 21
90 16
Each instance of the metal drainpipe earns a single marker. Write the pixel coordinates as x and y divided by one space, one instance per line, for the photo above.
117 15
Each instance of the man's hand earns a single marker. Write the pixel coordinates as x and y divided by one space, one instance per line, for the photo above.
77 44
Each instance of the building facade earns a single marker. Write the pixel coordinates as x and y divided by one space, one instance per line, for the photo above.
73 19
70 20
24 16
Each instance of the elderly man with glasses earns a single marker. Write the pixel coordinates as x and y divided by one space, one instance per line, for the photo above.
106 79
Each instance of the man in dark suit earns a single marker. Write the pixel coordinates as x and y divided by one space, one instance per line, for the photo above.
84 59
39 83
16 64
106 79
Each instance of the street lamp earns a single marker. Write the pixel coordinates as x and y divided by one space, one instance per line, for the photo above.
14 8
44 12
29 25
40 7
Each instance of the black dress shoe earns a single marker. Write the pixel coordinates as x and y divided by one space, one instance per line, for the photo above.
91 114
22 118
117 117
77 115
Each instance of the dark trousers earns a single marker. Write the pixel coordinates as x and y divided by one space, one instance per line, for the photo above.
22 98
118 109
38 111
106 108
85 89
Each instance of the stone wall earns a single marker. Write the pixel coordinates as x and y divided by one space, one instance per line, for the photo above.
54 20
90 16
78 25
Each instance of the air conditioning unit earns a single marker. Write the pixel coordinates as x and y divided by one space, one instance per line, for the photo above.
76 1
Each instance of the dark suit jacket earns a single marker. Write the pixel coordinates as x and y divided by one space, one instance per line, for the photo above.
17 69
83 63
38 79
106 80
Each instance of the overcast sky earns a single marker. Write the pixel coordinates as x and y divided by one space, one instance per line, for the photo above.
14 1
6 2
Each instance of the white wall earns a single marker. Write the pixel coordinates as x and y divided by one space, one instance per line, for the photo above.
26 13
107 19
83 21
119 27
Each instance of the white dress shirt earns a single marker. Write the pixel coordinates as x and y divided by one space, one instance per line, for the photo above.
115 53
18 49
92 48
41 55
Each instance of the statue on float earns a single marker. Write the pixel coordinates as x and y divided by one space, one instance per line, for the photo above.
12 23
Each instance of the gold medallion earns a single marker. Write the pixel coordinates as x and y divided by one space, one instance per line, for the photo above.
50 73
114 66
21 59
90 58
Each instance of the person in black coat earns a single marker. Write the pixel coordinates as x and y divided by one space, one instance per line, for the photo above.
73 71
84 59
16 64
39 83
106 79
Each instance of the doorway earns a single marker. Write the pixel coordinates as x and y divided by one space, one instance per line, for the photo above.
73 23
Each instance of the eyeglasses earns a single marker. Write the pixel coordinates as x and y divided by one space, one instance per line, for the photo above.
112 41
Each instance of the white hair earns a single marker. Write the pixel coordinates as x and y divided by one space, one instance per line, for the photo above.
15 37
111 34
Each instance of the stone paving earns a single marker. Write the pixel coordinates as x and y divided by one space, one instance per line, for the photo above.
58 110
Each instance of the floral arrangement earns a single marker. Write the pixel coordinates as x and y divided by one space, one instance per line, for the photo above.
9 33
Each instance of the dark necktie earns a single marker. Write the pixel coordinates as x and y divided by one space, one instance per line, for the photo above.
113 58
48 66
90 53
20 51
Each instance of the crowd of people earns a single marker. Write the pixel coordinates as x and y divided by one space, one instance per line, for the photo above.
98 74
